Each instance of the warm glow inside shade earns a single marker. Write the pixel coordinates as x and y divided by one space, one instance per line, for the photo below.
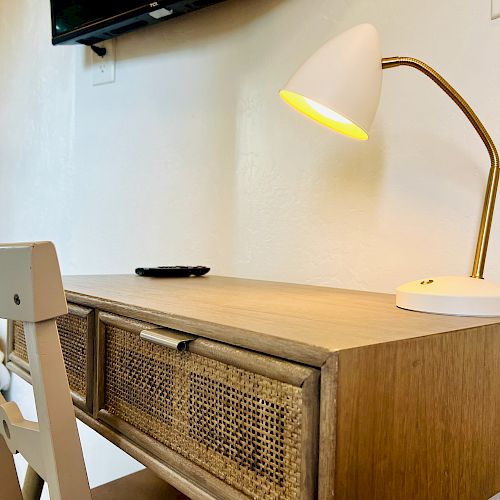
323 115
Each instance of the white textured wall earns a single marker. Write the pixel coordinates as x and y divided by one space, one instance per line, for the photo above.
190 157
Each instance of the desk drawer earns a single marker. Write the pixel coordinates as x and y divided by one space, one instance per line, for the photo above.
77 340
241 424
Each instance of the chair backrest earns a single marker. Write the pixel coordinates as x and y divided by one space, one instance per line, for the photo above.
31 287
31 291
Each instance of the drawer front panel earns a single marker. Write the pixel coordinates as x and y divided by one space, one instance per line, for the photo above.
76 337
243 427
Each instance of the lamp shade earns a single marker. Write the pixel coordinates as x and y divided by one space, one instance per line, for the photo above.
339 85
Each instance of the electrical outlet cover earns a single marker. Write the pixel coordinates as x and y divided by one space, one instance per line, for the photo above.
495 9
103 68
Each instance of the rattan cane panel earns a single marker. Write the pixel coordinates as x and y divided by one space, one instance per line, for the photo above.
242 427
73 335
20 348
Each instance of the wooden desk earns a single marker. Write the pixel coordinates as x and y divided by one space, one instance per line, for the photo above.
287 391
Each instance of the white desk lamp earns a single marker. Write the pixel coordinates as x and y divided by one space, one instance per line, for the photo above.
339 87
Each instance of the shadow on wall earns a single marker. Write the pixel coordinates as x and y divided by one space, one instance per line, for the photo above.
351 179
193 29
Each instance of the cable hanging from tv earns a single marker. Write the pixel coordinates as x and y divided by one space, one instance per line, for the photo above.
100 51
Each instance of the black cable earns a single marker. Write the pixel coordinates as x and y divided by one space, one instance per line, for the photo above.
100 51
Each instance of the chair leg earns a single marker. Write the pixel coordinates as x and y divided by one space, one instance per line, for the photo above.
9 484
33 485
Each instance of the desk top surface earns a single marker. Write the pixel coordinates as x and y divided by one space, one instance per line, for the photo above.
300 322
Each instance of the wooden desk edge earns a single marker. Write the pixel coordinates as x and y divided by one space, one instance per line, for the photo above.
247 339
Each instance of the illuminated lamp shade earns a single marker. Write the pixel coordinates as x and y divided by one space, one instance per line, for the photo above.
339 86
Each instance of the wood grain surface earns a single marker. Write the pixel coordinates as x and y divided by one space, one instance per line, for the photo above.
298 322
328 429
142 485
420 419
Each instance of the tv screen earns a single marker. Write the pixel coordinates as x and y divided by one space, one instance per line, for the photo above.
92 21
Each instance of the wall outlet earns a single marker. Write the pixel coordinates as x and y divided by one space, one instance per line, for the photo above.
103 68
495 9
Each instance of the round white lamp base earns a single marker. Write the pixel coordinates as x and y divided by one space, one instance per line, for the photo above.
454 295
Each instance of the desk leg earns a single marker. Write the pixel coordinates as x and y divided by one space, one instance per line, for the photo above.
33 485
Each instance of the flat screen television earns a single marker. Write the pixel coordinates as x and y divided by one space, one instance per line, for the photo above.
92 21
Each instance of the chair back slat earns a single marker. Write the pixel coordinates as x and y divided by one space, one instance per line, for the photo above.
31 287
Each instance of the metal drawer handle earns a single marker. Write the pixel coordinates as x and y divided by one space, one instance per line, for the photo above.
168 338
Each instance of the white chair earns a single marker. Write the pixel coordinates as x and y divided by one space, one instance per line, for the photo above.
31 291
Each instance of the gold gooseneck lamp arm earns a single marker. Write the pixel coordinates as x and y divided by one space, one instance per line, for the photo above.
494 175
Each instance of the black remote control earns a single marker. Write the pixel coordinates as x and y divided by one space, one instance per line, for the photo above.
172 271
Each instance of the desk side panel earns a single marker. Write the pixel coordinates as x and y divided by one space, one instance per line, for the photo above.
420 418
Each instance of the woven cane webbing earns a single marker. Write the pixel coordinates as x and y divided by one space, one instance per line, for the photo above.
241 427
20 348
73 332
